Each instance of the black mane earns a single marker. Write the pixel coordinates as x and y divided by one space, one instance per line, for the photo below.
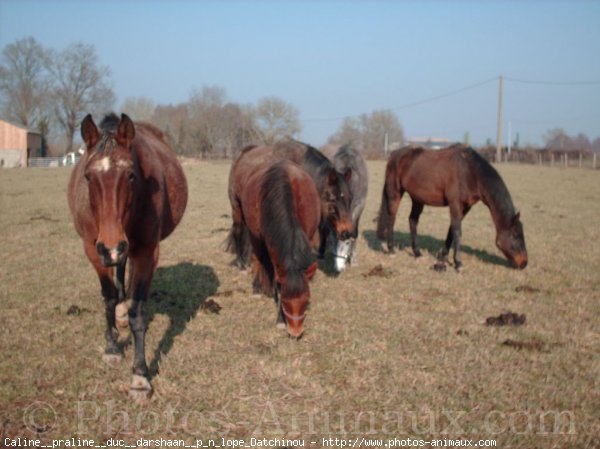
282 231
494 194
317 165
108 128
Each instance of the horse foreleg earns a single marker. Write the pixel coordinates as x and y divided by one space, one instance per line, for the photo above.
110 294
122 307
144 265
280 317
413 221
456 216
442 255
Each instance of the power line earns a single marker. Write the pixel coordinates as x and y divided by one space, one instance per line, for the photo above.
553 83
412 104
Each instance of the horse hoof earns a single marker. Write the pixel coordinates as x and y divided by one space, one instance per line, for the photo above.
112 359
417 253
122 315
140 390
458 268
281 326
439 267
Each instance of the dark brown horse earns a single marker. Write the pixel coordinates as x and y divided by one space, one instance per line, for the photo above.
126 194
456 177
280 211
333 188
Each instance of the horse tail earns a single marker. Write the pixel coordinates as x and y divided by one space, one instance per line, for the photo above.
238 243
387 213
282 230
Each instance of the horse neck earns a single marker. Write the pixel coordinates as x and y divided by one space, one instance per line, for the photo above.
496 197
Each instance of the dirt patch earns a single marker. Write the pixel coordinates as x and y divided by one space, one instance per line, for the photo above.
530 345
210 306
76 310
527 289
43 218
379 271
506 319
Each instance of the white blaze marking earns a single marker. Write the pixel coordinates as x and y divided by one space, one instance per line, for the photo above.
124 163
342 253
102 165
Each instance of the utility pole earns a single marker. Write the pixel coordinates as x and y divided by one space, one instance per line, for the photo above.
499 133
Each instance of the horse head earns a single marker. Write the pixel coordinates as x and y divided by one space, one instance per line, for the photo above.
337 204
511 241
112 177
295 296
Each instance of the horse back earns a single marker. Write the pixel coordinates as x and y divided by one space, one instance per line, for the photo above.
437 177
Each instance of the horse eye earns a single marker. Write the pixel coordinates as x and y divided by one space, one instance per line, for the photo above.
131 177
87 177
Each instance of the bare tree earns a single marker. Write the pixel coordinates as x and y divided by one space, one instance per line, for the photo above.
174 122
349 133
24 83
558 140
218 128
81 86
276 119
367 132
139 108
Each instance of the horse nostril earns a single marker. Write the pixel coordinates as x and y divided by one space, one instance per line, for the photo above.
100 248
345 235
122 247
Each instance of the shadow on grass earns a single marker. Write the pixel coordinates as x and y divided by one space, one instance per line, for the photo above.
178 291
432 246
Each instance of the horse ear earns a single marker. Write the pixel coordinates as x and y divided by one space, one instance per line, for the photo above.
348 175
89 132
516 217
125 131
310 271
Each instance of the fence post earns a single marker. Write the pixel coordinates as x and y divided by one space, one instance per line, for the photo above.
551 159
566 160
580 160
594 162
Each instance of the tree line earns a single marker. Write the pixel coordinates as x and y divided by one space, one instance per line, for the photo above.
50 92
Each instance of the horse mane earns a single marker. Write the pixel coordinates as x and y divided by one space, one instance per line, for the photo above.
108 128
282 230
493 189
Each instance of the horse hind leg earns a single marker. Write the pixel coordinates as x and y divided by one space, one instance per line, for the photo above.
413 221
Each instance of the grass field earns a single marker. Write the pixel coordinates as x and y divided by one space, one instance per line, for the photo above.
403 353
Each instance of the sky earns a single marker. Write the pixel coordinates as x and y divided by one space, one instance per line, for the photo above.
436 64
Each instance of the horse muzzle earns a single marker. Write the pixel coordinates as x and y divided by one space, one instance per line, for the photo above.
112 256
520 262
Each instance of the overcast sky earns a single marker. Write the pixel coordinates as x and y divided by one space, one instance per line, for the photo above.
435 63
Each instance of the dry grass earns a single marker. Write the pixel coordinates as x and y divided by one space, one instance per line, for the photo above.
406 354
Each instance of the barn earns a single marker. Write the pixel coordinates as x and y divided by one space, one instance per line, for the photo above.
17 145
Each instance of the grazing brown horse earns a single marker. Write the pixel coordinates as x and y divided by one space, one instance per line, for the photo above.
279 210
126 194
456 177
333 188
